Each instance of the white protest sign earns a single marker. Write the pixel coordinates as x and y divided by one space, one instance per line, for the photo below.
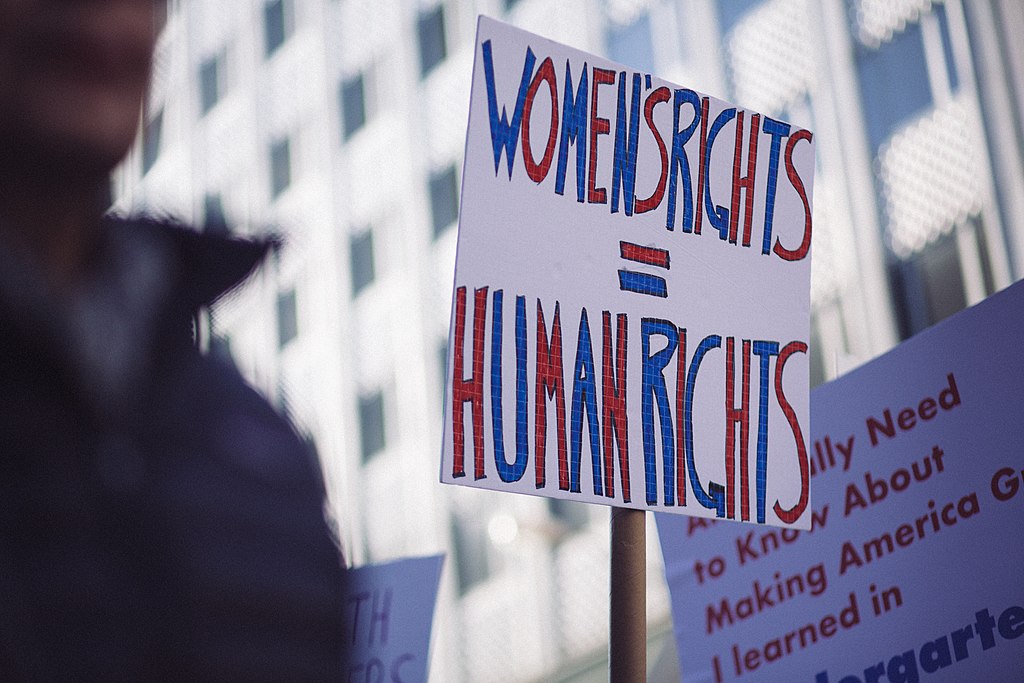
630 314
912 570
389 609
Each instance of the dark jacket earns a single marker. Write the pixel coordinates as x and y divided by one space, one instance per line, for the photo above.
158 520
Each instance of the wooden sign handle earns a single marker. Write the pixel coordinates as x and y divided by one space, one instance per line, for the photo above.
627 624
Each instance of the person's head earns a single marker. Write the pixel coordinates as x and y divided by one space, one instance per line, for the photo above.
73 74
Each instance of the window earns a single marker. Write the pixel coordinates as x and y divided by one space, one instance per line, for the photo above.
442 363
894 84
280 167
211 82
947 46
371 424
469 545
430 29
631 44
929 286
817 356
287 318
570 514
731 12
275 25
444 199
353 105
151 135
220 348
361 260
213 215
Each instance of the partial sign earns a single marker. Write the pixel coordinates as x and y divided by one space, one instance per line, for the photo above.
912 567
630 314
389 609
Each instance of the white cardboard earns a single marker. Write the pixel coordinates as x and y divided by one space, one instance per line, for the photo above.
519 236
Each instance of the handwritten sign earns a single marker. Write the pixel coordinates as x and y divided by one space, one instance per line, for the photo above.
912 566
630 314
389 609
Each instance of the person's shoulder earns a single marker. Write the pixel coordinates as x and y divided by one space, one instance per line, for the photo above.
209 264
238 427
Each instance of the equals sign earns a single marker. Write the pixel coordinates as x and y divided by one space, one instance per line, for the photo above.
643 283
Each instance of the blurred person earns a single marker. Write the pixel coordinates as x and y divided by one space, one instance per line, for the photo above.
158 520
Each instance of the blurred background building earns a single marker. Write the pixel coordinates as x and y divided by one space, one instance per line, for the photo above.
340 125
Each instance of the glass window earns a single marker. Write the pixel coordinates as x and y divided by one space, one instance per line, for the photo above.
947 46
287 318
220 348
371 424
630 44
571 515
444 199
442 362
152 133
430 29
987 278
353 105
732 11
275 25
817 356
280 166
894 84
929 286
213 215
361 260
939 266
210 82
469 545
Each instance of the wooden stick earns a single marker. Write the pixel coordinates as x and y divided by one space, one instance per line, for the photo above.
627 632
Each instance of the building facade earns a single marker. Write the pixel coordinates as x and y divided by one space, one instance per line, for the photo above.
339 125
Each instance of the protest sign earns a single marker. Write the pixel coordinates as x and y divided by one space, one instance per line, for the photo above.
389 609
630 310
912 568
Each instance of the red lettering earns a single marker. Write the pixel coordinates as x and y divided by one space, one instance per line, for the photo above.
741 183
680 419
791 515
613 385
701 166
798 185
536 171
737 415
471 390
656 97
598 126
549 384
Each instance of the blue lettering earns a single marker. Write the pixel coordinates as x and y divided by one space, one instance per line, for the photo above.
505 135
574 132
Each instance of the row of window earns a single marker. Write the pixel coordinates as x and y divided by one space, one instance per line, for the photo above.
444 206
277 27
212 77
371 405
353 101
443 189
352 91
